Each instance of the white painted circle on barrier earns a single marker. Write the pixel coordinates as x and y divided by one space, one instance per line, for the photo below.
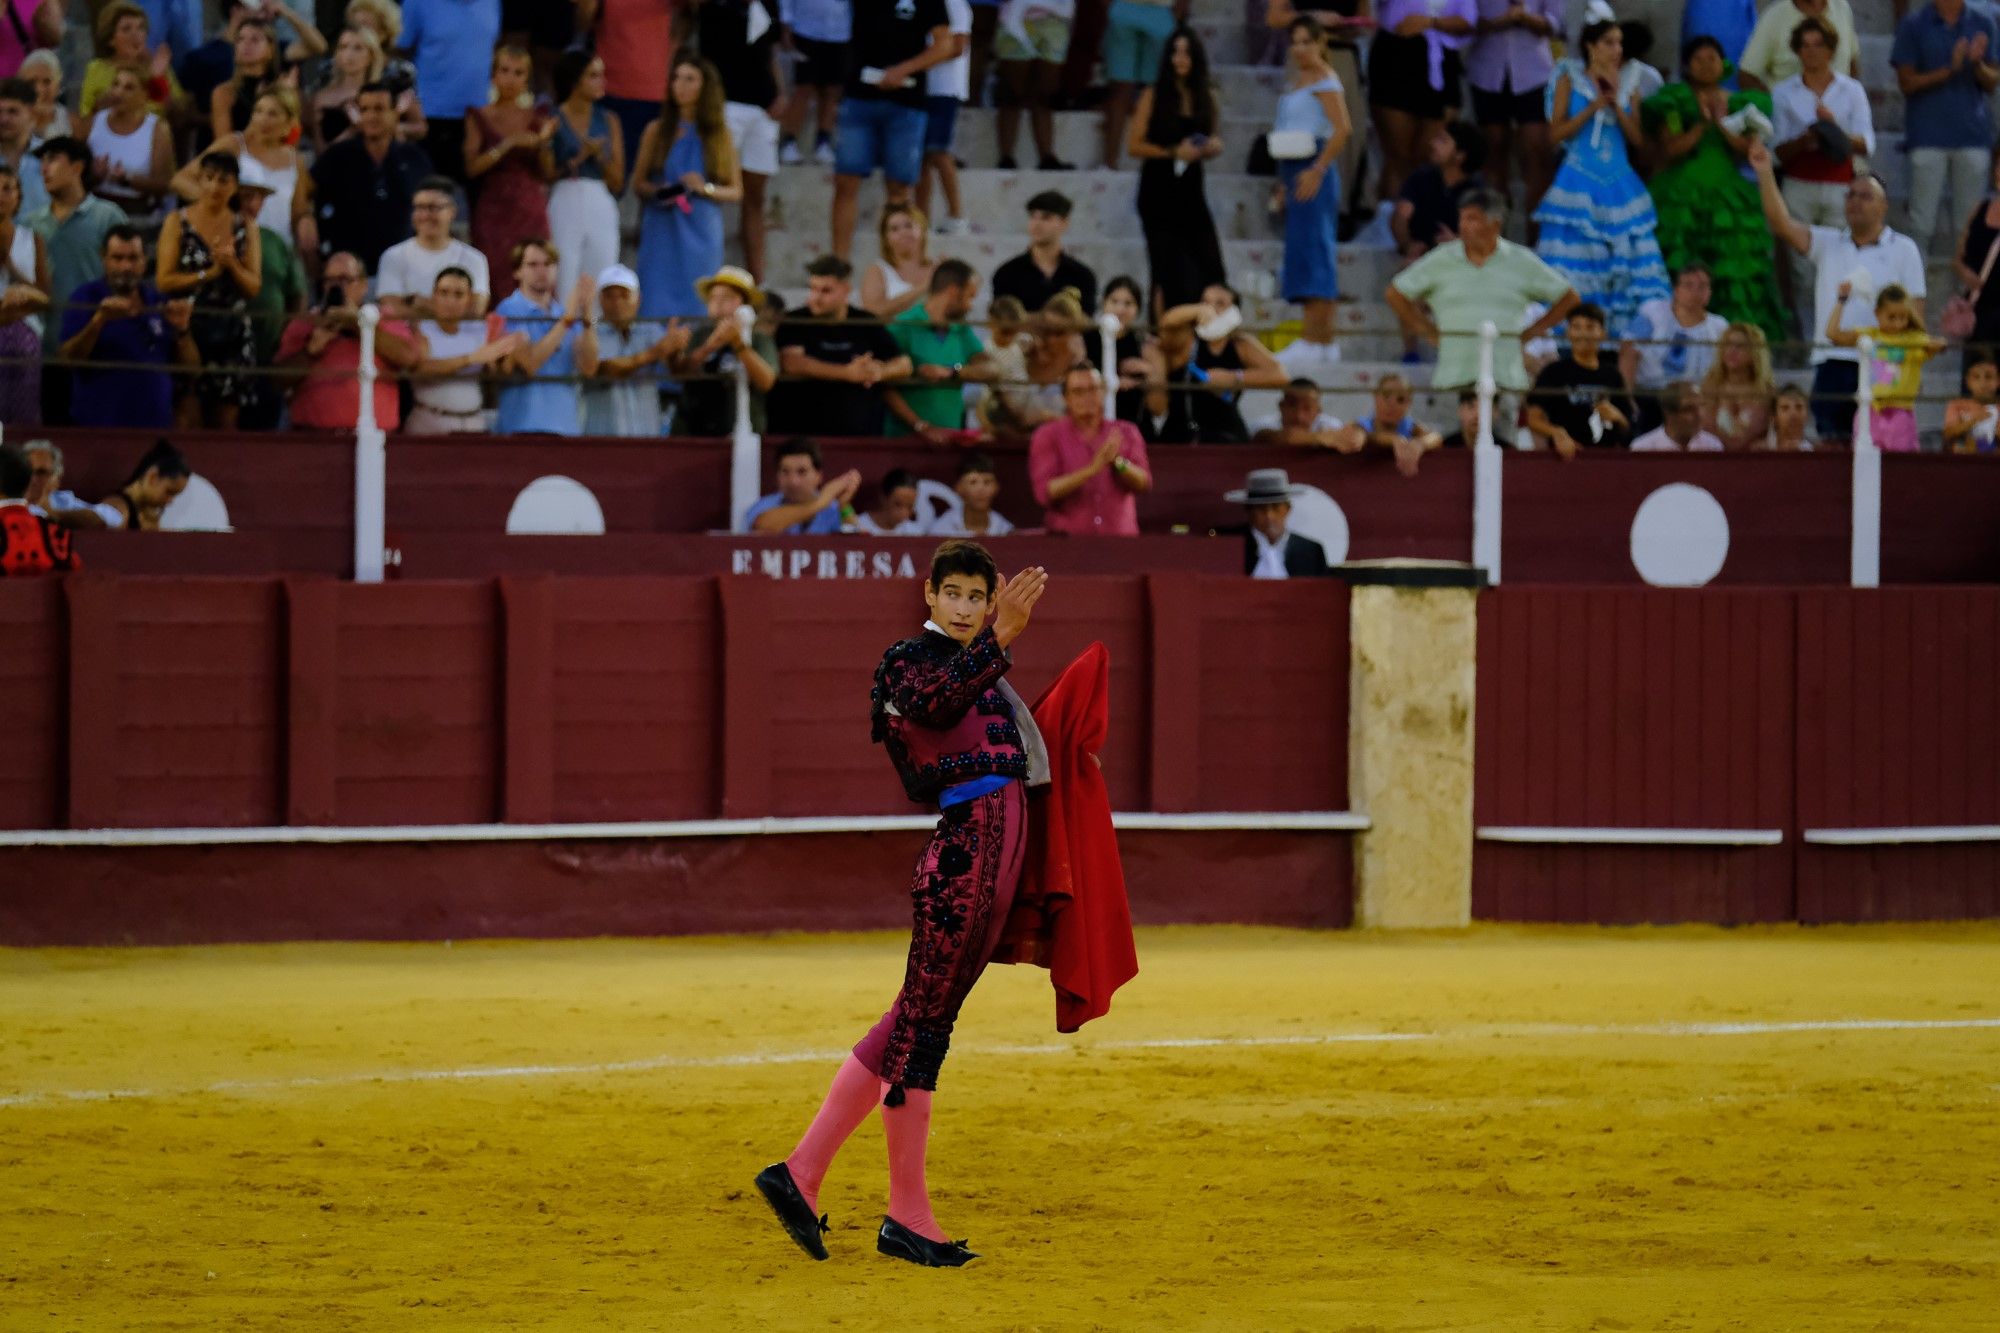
556 506
199 508
1317 515
1680 537
935 500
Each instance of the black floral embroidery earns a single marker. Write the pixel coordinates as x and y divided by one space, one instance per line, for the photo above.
952 912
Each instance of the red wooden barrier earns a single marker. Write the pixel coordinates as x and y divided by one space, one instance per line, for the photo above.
1940 519
1898 727
1609 708
218 702
32 691
250 702
1790 515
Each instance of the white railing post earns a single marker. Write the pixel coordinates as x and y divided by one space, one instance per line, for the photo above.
1487 460
744 443
1107 328
1488 335
1864 395
371 463
1865 552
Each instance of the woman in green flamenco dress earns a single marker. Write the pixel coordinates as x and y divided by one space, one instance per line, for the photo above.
1709 212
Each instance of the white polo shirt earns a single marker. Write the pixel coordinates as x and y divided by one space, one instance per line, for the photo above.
1794 108
1892 259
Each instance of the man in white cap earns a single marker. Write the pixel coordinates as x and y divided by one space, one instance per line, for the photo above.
1269 550
625 397
712 353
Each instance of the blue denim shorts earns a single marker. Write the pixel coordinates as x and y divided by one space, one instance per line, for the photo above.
1135 40
876 134
941 124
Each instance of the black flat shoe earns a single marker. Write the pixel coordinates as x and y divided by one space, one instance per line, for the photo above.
782 1193
898 1241
1054 164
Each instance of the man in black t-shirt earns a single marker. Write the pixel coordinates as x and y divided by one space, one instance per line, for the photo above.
1427 213
749 69
1044 269
882 109
834 357
1580 400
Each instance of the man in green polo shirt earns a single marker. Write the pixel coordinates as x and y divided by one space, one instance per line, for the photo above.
72 227
1477 278
945 352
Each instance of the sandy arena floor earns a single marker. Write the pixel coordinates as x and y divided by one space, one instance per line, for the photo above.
1597 1130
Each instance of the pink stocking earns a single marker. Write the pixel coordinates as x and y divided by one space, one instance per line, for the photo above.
854 1093
908 1129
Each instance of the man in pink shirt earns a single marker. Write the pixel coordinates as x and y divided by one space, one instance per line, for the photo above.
1087 471
326 343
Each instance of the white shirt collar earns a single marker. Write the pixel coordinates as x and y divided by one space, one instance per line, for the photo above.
1270 557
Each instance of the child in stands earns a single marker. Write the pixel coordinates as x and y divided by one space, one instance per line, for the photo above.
978 486
1896 366
1969 422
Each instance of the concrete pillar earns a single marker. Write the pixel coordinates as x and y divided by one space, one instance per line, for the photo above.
1413 634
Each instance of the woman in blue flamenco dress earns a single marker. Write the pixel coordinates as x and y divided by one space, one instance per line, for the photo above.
1597 221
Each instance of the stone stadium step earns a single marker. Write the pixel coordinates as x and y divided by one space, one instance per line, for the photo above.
1364 272
1080 138
801 199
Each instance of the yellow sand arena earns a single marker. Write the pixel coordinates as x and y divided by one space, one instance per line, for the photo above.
1582 1130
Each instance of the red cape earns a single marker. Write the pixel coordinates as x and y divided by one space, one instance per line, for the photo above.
1070 914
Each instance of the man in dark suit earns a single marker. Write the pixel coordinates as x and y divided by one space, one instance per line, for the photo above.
1269 551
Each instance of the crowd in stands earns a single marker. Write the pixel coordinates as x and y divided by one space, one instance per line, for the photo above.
193 219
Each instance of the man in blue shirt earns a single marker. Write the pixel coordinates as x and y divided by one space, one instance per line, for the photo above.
803 503
175 22
562 344
1944 56
121 319
451 42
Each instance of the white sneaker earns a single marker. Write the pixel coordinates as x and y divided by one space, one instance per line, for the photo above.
949 226
789 154
1313 361
823 153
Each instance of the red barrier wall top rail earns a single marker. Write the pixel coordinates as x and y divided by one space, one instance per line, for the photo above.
1789 518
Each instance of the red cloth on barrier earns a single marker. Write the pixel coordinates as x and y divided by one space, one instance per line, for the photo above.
1070 914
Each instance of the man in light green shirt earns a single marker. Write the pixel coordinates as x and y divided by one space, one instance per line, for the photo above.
1472 280
1769 57
72 227
945 352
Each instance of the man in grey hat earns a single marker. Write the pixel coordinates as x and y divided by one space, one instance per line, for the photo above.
1269 551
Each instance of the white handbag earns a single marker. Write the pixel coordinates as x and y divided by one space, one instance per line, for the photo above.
1290 145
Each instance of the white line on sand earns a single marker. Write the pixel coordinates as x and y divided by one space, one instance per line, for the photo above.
658 1062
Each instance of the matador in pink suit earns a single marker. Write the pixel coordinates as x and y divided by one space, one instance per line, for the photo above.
960 737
